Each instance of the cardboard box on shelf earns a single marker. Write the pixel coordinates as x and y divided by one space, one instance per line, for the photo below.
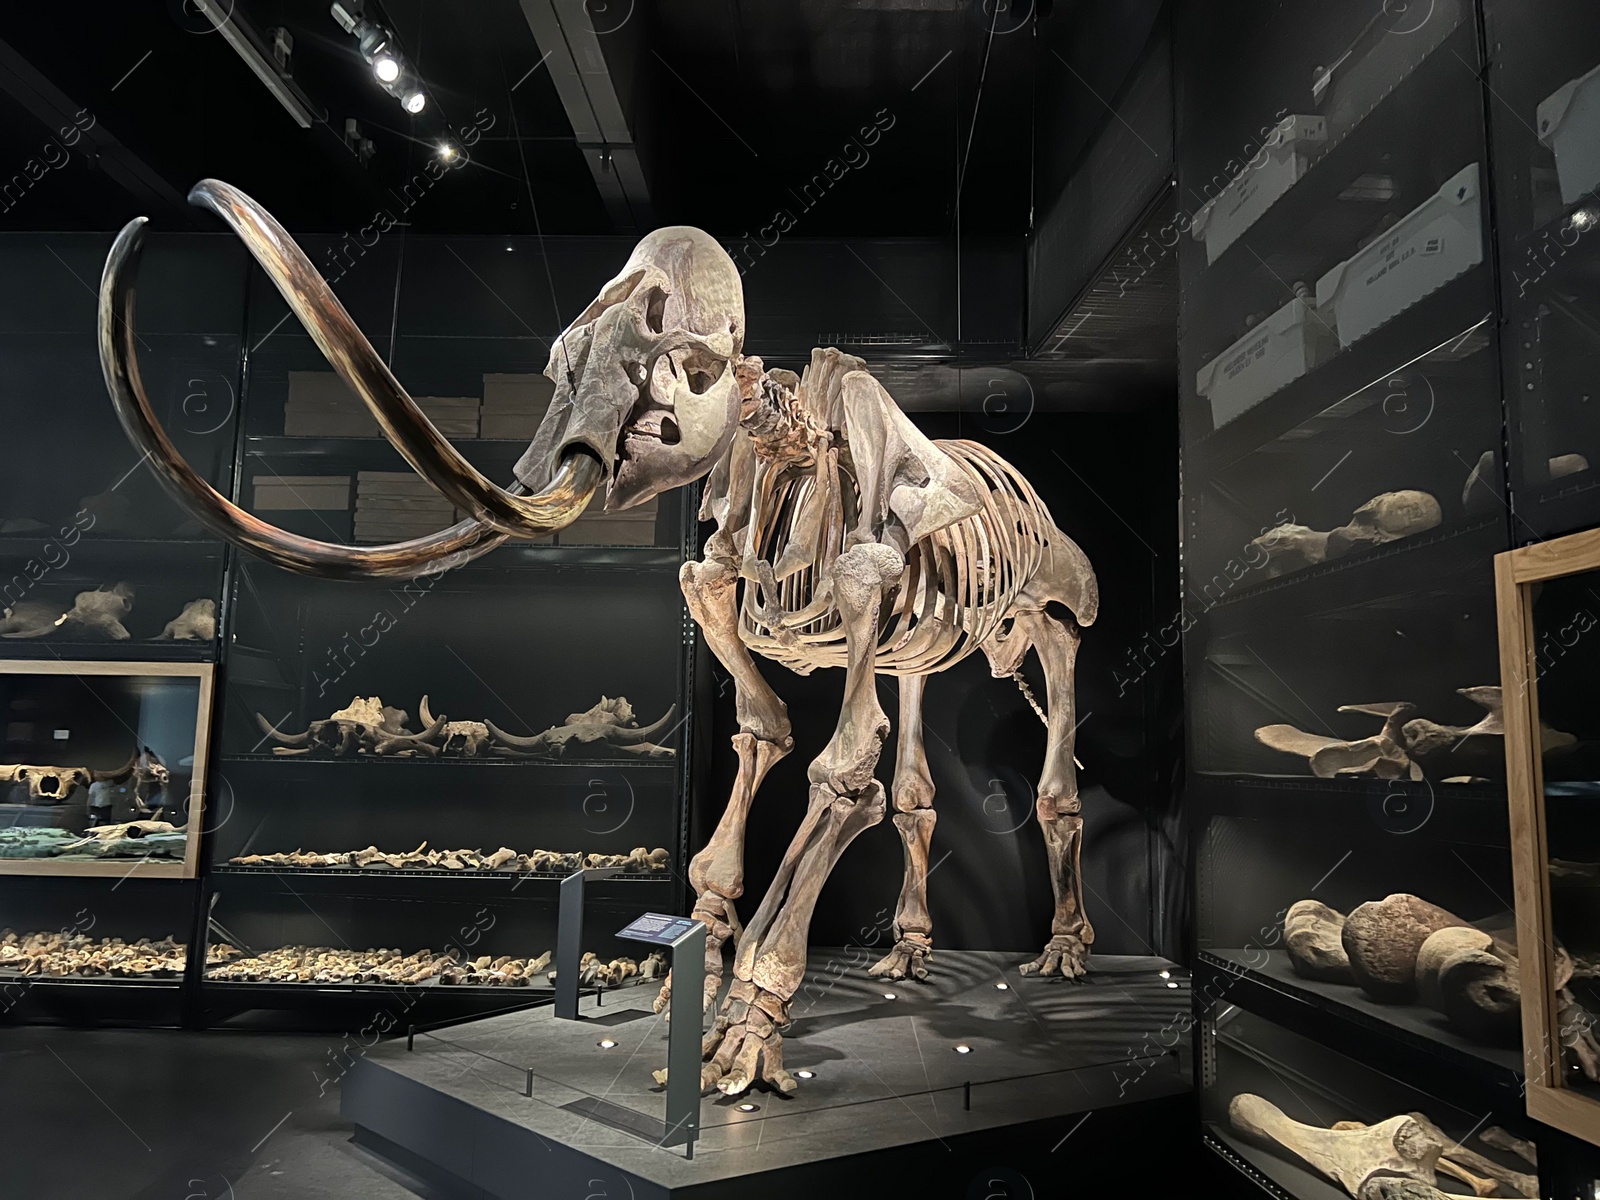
319 405
301 492
1273 354
1287 155
1569 124
514 404
1421 252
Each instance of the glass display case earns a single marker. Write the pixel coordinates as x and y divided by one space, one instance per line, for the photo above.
106 767
1307 1122
1544 80
1547 603
1344 493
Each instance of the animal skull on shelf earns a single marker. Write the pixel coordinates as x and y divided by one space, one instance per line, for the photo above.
364 726
55 785
845 537
145 785
196 623
466 738
609 726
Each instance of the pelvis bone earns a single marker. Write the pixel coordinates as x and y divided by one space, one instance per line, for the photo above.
1403 747
364 726
608 727
1383 754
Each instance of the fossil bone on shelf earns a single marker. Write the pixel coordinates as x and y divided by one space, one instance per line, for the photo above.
1482 1174
1383 519
608 728
364 726
196 623
1314 936
639 860
1383 754
1400 1146
1383 938
94 615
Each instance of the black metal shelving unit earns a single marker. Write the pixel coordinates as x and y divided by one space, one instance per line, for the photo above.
1415 402
78 512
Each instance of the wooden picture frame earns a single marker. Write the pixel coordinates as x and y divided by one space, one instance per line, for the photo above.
189 868
1516 572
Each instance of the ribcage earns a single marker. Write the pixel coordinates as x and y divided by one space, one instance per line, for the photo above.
960 582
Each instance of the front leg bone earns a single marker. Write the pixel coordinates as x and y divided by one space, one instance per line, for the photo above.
717 872
1399 1146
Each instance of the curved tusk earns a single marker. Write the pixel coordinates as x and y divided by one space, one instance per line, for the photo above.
277 735
350 354
632 737
118 360
422 711
118 774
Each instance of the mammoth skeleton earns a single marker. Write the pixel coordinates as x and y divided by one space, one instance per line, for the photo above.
844 538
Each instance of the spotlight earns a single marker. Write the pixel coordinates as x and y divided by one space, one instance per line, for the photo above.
378 48
447 152
963 1048
889 996
806 1074
605 1044
1584 219
1166 974
1002 987
1172 983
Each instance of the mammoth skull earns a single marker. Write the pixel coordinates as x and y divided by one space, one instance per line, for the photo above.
644 377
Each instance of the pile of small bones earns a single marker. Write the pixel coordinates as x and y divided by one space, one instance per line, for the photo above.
323 964
503 859
594 973
60 953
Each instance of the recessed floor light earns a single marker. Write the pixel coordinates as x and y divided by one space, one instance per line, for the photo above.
963 1049
749 1108
1001 987
1172 983
1166 974
889 996
605 1044
806 1074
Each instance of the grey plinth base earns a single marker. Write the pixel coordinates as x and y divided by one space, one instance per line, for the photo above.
888 1092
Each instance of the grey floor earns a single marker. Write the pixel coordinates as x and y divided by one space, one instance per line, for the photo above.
167 1115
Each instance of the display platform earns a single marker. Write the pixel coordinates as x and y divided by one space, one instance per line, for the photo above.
889 1087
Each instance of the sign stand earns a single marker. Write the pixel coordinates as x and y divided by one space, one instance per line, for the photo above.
569 938
686 938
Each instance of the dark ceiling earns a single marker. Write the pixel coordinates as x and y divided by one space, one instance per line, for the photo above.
737 106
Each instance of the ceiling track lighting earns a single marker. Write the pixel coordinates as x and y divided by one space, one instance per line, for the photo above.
381 51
